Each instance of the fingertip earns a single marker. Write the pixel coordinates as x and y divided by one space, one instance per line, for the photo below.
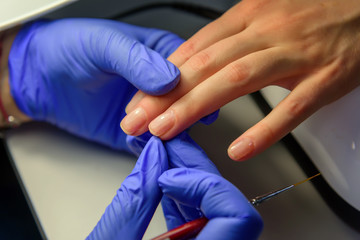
154 151
242 149
256 222
234 157
162 179
183 151
169 177
137 143
155 141
161 75
165 137
163 123
135 122
168 80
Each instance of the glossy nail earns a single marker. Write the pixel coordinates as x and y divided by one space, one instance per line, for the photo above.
133 121
163 123
134 101
241 149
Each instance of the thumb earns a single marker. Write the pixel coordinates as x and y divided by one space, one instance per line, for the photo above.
163 42
135 202
231 215
183 152
127 55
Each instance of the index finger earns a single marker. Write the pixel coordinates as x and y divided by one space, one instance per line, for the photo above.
205 37
184 152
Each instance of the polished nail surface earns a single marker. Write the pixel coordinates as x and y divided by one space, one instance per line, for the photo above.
133 121
135 100
241 149
163 123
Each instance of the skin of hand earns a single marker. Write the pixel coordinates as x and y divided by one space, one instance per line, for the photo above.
6 98
311 48
79 74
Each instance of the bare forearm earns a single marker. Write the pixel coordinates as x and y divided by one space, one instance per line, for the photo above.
14 115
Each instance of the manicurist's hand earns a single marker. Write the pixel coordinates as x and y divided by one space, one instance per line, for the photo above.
308 47
194 188
191 188
130 212
79 74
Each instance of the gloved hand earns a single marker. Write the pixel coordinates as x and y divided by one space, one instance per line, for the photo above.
79 74
187 190
194 188
131 210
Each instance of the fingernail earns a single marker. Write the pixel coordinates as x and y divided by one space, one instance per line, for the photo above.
241 149
135 100
133 121
163 123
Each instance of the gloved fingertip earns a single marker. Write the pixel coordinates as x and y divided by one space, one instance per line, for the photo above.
151 73
154 153
162 180
160 79
183 151
154 141
257 224
168 178
137 143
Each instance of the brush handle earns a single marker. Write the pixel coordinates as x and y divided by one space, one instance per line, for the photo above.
185 231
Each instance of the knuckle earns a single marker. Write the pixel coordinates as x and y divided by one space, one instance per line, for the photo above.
200 61
237 72
311 51
296 107
187 49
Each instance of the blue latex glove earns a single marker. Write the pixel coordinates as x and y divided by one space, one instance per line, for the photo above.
137 143
194 188
131 210
187 192
79 74
230 214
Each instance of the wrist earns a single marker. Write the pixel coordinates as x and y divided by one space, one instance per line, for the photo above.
10 113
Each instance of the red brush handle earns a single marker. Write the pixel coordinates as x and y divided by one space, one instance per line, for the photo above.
185 231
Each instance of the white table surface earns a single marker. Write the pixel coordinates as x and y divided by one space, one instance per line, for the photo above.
69 181
13 12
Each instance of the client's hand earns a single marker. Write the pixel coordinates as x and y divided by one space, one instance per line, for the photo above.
308 47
